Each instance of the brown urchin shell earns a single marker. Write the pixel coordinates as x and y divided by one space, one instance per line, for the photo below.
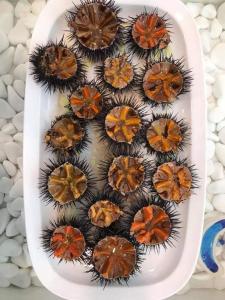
163 82
67 183
173 182
118 71
149 31
164 135
59 61
67 243
126 174
122 124
65 134
114 257
151 225
95 26
86 102
103 213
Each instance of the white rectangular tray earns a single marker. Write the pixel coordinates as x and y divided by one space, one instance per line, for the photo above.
162 275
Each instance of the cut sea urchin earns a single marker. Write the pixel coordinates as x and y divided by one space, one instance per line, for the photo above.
121 122
86 101
174 180
115 258
118 74
95 28
165 135
164 80
65 240
67 135
100 213
103 213
56 67
64 182
152 223
147 33
127 174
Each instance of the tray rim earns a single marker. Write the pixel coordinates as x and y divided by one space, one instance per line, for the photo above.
169 286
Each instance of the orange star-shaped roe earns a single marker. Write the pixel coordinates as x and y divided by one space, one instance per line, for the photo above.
86 102
149 31
151 225
122 124
173 182
67 243
67 183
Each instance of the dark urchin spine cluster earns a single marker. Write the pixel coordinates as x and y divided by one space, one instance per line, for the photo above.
96 232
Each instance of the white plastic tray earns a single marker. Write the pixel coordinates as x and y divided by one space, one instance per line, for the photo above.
162 275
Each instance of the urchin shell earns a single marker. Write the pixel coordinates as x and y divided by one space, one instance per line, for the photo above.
67 136
100 222
52 165
117 74
78 252
97 274
87 100
49 56
158 136
174 180
163 81
144 227
135 109
144 185
98 35
157 37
